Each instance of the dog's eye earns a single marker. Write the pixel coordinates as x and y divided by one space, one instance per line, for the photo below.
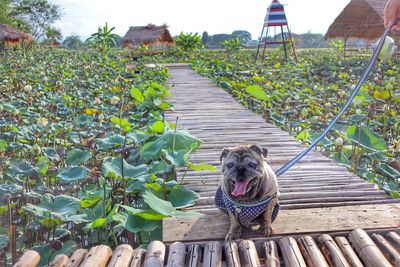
230 165
253 165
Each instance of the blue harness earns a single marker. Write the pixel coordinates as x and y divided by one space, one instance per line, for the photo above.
245 212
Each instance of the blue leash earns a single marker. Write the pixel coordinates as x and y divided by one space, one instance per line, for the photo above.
363 78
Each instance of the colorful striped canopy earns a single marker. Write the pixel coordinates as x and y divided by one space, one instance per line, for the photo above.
275 15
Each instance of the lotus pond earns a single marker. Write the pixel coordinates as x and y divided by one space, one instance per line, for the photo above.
86 156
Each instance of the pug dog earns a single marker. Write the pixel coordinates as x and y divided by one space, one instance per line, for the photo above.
248 191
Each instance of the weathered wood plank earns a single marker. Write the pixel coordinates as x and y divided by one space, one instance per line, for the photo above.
122 256
387 249
214 227
332 252
59 261
394 239
138 257
271 254
232 254
291 253
176 255
97 256
155 255
193 256
77 257
369 253
248 254
348 251
212 256
30 258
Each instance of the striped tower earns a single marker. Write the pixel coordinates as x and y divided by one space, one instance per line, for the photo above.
275 18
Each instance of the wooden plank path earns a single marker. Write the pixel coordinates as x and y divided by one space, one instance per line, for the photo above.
316 193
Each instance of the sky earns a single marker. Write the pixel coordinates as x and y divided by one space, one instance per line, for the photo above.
83 17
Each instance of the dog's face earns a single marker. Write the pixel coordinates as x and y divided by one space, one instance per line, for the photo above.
243 168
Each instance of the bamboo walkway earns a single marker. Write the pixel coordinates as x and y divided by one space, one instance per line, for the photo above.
317 195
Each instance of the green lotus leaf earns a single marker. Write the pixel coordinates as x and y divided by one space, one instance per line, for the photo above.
137 94
88 203
165 207
61 207
110 142
77 156
136 224
73 173
366 138
113 167
158 127
4 240
83 120
21 168
51 153
172 141
257 92
181 197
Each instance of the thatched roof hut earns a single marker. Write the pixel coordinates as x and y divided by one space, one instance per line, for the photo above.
361 19
150 35
12 36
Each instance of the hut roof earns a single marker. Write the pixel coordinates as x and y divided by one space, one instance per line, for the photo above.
148 34
10 34
359 19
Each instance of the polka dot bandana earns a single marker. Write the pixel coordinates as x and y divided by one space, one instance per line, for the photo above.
245 212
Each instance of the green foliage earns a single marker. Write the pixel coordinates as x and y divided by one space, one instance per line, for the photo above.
72 42
35 16
232 46
205 37
189 41
338 46
91 156
103 39
244 36
5 17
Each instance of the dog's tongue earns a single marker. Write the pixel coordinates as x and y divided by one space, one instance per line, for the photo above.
240 188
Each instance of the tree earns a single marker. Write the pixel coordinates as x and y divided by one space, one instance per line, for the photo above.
244 36
205 37
73 42
35 16
5 12
53 35
215 41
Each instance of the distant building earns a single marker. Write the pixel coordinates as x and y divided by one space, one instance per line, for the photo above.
150 35
11 36
360 19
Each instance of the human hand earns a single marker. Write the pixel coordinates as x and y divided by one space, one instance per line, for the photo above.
392 14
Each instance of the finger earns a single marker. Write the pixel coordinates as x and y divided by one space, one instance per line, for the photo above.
386 14
391 15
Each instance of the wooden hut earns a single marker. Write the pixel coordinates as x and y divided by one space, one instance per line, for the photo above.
150 35
11 36
359 20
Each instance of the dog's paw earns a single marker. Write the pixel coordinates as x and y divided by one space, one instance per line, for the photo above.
266 230
231 236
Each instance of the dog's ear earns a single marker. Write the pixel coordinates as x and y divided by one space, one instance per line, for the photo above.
259 150
224 153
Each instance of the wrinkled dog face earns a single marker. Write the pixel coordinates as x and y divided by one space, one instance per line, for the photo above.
241 168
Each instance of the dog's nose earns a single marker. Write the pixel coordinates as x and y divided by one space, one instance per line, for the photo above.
241 170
